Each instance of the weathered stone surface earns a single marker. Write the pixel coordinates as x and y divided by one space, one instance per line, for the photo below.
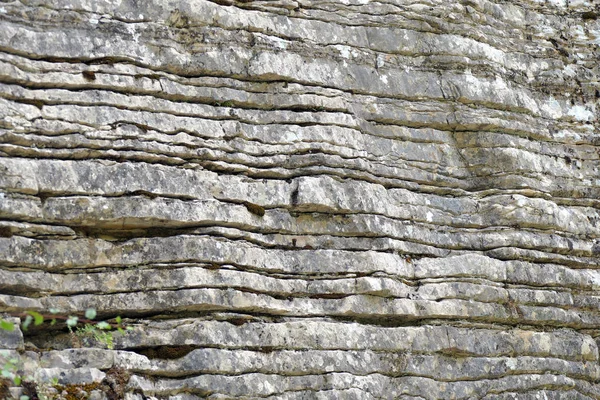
300 199
12 339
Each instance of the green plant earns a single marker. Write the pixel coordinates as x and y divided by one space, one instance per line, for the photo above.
100 331
11 370
97 334
71 321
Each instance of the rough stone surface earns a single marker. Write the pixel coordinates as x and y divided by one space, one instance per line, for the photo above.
302 199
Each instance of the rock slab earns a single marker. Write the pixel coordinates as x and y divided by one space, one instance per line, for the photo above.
301 199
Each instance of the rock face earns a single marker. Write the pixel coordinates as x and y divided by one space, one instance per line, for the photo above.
303 199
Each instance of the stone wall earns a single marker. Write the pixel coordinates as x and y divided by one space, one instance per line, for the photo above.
310 199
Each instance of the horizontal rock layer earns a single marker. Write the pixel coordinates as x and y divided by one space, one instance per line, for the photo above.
299 199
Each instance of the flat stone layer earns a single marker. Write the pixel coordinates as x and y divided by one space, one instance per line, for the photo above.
302 199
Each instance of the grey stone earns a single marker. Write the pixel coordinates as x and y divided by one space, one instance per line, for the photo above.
11 340
299 199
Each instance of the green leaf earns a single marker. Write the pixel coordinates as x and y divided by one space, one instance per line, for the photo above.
7 326
53 322
129 328
24 397
27 322
38 318
5 373
72 321
54 311
90 313
17 380
103 325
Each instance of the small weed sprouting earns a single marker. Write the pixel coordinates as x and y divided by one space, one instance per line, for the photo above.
90 334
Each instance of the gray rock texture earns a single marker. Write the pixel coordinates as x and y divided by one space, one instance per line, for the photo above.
302 199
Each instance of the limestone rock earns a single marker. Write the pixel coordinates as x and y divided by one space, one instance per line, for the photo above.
300 199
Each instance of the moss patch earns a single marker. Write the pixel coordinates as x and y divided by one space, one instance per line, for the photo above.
113 385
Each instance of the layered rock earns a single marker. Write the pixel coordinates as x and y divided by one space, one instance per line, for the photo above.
303 199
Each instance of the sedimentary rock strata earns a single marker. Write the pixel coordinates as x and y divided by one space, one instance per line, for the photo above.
302 199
